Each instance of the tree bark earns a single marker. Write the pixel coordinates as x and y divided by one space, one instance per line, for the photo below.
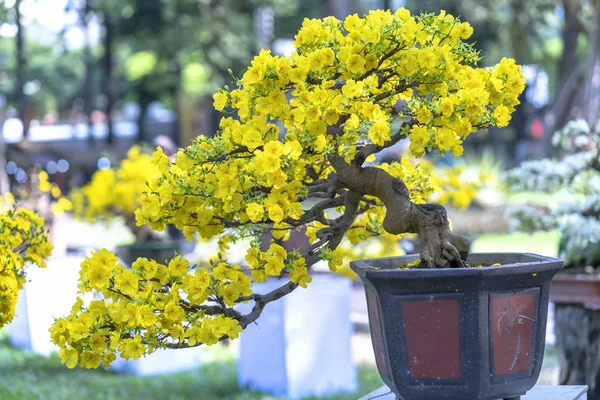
176 102
144 103
88 102
577 332
4 179
518 34
591 98
569 74
570 35
109 90
440 246
20 96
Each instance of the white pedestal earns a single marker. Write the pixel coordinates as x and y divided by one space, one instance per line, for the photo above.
161 362
48 293
537 393
300 345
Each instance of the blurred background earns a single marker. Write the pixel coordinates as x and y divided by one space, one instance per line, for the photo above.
82 81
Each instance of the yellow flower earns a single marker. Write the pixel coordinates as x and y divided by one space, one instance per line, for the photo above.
356 64
127 283
353 23
419 138
69 357
98 342
132 348
501 116
352 88
229 293
179 266
300 276
56 192
274 266
424 115
44 185
276 213
89 359
173 312
427 58
160 159
320 59
446 107
255 212
220 100
98 275
146 316
379 133
252 139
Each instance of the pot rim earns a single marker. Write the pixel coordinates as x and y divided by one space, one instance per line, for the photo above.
380 267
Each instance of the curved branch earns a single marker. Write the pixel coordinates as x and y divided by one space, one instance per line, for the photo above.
372 148
317 210
261 300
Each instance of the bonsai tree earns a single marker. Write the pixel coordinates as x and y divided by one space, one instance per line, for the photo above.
577 218
297 129
116 192
23 241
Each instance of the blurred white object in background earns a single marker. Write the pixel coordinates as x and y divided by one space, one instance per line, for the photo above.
49 293
301 344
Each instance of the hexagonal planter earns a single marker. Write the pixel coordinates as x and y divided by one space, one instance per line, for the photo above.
459 333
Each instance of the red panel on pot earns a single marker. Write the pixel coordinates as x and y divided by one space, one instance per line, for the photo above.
512 323
432 338
377 335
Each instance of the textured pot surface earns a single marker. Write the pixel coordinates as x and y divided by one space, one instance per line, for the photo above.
459 333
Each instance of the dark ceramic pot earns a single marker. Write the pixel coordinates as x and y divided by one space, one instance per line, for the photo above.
155 250
459 333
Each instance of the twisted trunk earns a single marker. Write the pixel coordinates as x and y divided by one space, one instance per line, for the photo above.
440 246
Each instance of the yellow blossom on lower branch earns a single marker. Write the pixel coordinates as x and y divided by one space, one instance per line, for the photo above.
161 305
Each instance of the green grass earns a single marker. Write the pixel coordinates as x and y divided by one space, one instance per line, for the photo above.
544 243
27 376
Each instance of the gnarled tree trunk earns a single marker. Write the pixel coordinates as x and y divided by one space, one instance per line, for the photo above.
440 246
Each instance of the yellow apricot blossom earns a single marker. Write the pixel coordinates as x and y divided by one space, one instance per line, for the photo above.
116 191
284 161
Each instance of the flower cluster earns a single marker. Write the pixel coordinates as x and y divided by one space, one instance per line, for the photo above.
115 191
155 305
341 89
40 194
23 241
362 83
